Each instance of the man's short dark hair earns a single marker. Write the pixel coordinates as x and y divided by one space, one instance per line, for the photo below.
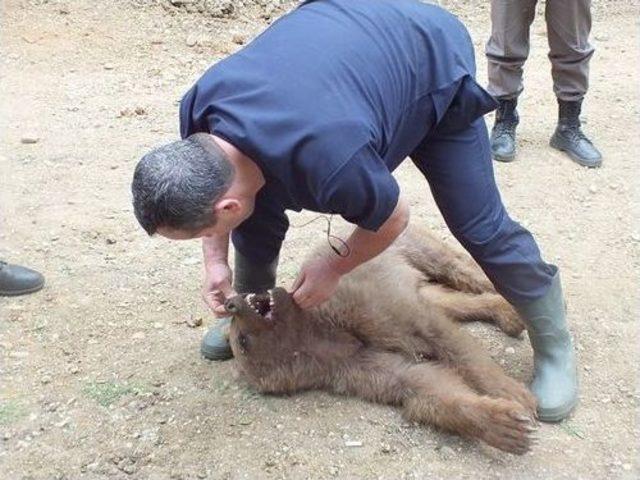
176 185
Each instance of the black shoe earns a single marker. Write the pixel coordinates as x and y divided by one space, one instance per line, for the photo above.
503 134
250 277
17 280
570 139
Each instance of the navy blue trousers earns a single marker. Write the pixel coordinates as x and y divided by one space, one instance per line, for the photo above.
456 162
459 170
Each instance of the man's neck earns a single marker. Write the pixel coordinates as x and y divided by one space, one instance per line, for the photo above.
248 176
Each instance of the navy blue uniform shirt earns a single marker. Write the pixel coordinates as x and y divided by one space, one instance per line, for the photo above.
329 100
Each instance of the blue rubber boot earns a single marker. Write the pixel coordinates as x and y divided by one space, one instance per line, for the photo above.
215 343
555 378
249 278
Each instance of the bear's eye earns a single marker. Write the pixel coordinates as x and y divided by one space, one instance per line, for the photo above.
243 341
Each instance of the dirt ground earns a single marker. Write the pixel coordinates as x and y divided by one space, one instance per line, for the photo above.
100 373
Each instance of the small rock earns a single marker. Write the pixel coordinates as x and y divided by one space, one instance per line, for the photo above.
626 467
64 10
447 452
510 350
194 322
18 354
29 139
136 112
108 66
239 39
386 448
593 189
191 261
62 423
127 466
110 241
353 443
46 379
192 41
158 326
138 336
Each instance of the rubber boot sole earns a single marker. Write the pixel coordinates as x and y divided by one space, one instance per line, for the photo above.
26 291
556 415
504 158
553 143
216 354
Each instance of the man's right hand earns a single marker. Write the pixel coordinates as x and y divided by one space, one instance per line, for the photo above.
217 288
217 274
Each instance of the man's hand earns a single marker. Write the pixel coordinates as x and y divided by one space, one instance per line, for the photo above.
319 277
217 274
316 282
217 288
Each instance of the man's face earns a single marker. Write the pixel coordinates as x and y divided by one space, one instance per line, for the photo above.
225 223
173 234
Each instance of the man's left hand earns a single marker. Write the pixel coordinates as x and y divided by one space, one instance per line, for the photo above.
316 282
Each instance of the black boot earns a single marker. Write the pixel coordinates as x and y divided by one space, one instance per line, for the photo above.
248 278
503 134
17 280
569 137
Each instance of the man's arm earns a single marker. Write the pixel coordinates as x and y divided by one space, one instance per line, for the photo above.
319 277
365 244
217 279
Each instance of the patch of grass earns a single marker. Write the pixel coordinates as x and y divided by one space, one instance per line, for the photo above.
248 395
221 385
572 430
10 411
107 393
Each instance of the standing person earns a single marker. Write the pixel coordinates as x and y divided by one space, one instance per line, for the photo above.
568 27
315 114
17 280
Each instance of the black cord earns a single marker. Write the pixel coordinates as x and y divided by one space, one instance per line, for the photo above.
346 251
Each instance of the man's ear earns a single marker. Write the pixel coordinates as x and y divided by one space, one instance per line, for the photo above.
227 206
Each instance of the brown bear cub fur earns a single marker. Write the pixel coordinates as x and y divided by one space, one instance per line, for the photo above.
389 335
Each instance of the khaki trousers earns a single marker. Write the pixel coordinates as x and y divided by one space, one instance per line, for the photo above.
568 27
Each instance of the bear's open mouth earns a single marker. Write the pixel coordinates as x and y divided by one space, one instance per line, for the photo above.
262 304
